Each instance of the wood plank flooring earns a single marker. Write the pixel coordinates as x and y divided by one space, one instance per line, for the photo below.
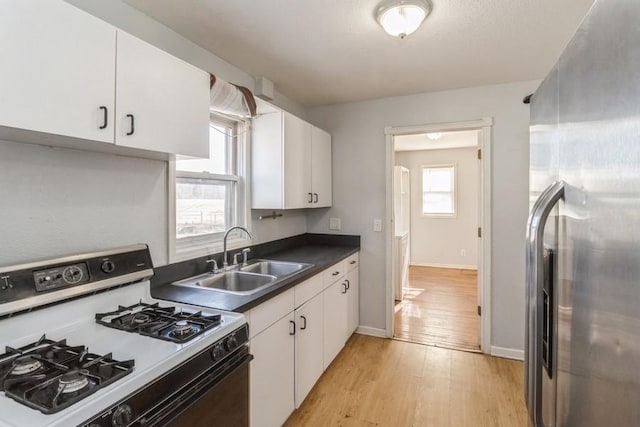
440 308
382 382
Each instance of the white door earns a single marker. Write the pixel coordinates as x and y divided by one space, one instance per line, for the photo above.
335 320
309 366
271 398
297 163
321 168
58 73
162 102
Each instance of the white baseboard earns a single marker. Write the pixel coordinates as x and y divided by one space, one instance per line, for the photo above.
509 353
374 332
430 264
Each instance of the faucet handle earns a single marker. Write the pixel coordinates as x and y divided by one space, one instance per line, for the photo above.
214 268
235 258
245 255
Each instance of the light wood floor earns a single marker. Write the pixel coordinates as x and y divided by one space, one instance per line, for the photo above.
382 382
440 308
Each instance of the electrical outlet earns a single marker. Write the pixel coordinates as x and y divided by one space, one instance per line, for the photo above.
377 224
463 252
335 223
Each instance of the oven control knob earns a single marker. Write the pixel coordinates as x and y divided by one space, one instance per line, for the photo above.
108 266
231 343
218 352
122 416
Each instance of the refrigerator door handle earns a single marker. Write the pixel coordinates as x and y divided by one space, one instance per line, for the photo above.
534 295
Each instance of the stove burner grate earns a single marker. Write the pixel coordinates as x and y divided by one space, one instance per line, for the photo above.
165 323
50 375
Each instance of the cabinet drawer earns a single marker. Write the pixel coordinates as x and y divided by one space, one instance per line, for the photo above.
333 273
269 312
353 261
308 289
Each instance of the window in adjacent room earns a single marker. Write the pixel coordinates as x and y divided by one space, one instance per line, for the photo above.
439 190
209 194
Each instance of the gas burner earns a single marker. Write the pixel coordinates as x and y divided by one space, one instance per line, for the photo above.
50 375
165 323
140 318
73 381
182 328
25 365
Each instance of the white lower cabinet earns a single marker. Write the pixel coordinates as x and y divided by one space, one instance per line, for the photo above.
271 374
295 336
335 320
353 301
308 348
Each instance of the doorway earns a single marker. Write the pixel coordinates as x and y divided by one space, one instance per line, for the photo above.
438 256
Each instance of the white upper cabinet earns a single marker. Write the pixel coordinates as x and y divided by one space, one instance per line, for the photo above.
291 167
162 103
62 79
320 167
58 75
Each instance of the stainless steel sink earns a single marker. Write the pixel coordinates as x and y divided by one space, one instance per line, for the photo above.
234 282
258 275
275 268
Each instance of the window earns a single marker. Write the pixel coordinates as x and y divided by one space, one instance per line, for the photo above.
439 190
209 194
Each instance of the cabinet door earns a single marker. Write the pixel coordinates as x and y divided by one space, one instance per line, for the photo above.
320 168
335 320
162 102
272 369
353 301
297 163
58 70
309 366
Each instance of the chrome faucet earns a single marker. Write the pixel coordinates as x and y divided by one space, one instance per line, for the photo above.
225 263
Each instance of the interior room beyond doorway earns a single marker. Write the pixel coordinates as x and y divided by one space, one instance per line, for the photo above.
435 262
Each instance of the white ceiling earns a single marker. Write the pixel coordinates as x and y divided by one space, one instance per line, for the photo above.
460 139
331 51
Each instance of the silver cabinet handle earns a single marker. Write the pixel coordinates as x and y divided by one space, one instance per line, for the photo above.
304 323
345 288
335 273
353 262
348 283
310 198
535 304
315 197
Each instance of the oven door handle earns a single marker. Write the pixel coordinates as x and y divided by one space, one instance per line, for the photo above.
181 401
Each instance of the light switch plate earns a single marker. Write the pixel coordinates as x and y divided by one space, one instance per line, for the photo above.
335 224
377 224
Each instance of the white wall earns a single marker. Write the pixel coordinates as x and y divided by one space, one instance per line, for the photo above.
359 187
438 241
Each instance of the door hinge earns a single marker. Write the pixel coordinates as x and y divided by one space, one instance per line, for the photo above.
479 154
479 311
479 231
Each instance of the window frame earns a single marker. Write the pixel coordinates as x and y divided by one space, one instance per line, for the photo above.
454 190
195 246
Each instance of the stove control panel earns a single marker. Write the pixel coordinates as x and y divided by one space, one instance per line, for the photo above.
52 278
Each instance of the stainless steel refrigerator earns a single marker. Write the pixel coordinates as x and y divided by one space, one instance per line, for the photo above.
582 347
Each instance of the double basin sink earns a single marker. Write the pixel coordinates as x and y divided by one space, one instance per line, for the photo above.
246 280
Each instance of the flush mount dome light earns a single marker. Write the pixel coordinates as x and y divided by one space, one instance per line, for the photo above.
400 18
434 135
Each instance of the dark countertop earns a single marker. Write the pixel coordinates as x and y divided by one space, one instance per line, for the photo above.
321 255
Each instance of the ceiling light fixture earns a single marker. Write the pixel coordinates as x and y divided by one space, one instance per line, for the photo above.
434 135
400 18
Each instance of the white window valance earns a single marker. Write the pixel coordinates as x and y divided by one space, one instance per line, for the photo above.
227 98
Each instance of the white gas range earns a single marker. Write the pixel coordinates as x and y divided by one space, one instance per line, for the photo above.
116 357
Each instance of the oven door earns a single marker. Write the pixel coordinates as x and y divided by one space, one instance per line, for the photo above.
218 398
